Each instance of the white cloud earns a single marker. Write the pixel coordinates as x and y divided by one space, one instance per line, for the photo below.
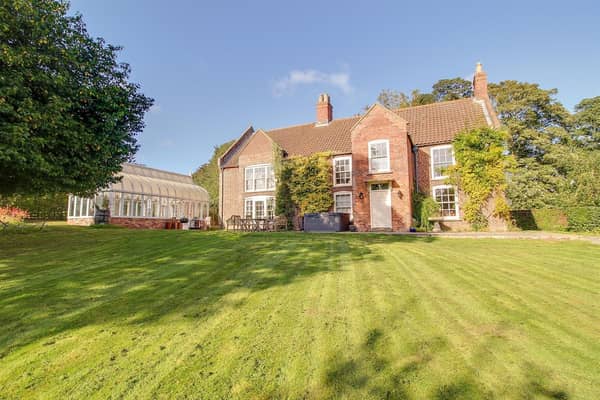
288 83
154 109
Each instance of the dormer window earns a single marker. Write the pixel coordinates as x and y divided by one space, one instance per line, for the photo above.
379 156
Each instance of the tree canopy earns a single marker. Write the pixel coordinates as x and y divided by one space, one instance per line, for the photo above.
452 89
556 152
444 89
587 122
207 176
68 114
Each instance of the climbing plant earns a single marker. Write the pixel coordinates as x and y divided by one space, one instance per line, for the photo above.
480 171
304 184
283 197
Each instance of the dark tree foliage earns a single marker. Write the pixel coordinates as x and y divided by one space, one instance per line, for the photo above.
557 162
68 114
587 122
393 99
452 89
207 176
444 89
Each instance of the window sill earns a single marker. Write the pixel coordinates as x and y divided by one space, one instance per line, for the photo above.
445 219
343 185
439 178
387 171
260 191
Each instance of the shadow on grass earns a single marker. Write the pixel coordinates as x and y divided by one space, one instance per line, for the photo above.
66 278
369 369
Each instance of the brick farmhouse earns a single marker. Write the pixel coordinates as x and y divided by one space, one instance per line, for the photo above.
379 160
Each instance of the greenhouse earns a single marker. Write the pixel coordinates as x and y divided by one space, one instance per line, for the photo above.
144 197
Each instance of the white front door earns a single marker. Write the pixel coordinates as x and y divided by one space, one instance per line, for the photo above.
381 205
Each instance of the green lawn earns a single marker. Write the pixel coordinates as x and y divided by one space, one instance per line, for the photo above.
114 313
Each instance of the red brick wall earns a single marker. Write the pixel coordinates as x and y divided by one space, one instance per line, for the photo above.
231 198
258 150
143 223
381 123
425 186
81 221
140 223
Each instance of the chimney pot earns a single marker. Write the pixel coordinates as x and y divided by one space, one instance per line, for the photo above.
324 109
480 83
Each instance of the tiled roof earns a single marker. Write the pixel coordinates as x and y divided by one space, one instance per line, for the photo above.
307 139
429 124
440 122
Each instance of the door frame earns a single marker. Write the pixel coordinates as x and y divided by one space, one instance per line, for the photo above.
389 191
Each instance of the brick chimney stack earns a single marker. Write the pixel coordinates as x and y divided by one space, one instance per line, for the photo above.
324 110
480 83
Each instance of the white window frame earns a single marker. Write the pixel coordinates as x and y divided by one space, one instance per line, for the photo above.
254 200
253 168
456 201
387 145
340 158
441 147
335 194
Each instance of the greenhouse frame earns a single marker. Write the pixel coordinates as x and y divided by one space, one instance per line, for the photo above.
143 198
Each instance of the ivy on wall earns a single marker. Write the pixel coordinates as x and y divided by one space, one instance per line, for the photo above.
304 184
480 171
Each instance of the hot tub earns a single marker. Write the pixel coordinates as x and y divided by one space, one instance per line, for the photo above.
326 222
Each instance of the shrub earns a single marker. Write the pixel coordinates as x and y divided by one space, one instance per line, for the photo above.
545 219
424 208
12 215
583 219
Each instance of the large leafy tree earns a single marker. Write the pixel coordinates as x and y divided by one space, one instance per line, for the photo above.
557 162
68 114
393 99
531 114
207 176
452 89
444 89
587 122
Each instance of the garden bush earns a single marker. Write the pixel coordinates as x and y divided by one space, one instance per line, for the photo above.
424 207
576 219
12 215
583 219
544 219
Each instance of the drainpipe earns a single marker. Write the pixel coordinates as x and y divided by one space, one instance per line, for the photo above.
416 154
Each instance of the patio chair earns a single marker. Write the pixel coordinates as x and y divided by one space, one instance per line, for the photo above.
281 223
233 223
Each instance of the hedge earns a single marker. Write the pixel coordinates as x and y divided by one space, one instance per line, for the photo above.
576 219
48 207
583 219
545 219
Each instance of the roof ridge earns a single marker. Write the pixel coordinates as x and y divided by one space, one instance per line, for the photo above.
308 124
433 104
154 169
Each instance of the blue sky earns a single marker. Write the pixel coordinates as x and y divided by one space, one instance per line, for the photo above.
216 67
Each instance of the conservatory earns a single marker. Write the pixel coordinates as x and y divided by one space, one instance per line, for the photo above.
144 198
